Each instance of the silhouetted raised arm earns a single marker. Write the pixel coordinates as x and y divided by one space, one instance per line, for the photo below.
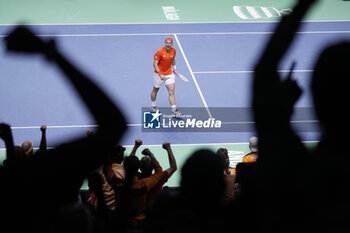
6 135
283 36
43 142
172 161
23 40
273 100
67 165
281 153
138 143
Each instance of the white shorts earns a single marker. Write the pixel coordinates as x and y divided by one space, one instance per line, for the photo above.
157 81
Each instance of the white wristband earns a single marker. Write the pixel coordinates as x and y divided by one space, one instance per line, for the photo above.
174 67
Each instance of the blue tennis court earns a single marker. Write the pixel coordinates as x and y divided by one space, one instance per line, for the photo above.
217 57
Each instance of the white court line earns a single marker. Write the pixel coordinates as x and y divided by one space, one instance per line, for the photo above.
181 144
253 122
193 77
209 143
190 144
139 125
177 33
247 71
99 34
182 34
171 23
65 126
54 126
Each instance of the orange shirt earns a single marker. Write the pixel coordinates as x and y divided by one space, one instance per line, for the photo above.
232 170
140 190
164 59
248 158
251 157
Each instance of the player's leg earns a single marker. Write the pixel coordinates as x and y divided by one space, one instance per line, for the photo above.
171 91
170 85
154 97
157 82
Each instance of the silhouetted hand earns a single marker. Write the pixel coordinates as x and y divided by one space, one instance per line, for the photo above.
291 89
138 143
89 133
166 145
43 128
5 131
23 40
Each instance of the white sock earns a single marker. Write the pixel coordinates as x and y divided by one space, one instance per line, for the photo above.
153 104
173 108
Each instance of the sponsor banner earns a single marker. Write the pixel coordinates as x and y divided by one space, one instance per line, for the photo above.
259 12
170 13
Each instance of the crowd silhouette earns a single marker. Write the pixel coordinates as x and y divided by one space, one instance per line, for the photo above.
287 188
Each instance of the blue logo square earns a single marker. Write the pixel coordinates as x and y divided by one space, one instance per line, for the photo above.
152 120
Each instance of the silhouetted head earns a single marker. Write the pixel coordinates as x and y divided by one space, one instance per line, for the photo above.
131 165
146 166
202 176
18 156
27 147
117 154
253 144
223 153
330 87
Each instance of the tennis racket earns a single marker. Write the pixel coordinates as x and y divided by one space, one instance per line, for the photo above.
183 77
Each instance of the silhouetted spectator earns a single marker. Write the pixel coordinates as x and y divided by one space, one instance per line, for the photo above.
252 156
247 189
224 153
330 164
27 145
147 168
113 176
89 132
52 180
198 207
14 154
248 173
103 216
229 178
141 186
302 191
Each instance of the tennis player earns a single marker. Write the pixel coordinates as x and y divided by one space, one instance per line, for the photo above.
164 69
